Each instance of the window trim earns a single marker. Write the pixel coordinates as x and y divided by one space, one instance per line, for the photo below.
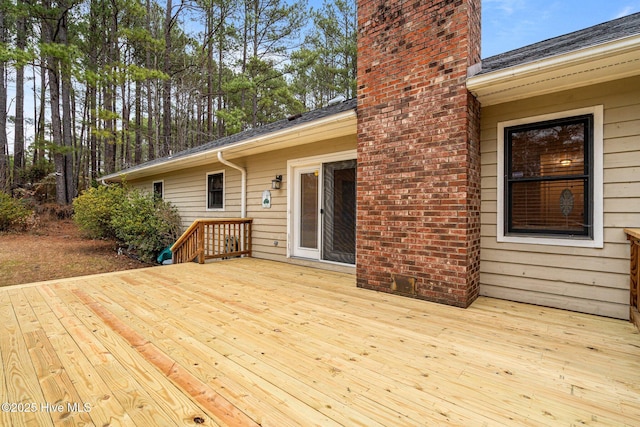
597 238
224 191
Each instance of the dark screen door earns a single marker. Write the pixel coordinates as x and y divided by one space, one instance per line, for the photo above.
339 212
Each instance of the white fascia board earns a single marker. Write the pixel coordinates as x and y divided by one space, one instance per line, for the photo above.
292 136
596 64
341 124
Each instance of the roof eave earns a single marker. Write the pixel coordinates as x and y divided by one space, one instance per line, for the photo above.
337 125
595 64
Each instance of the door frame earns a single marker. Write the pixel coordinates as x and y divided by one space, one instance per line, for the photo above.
292 166
296 250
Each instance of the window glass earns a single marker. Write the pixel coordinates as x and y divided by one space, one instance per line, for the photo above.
548 206
309 210
215 191
548 151
548 181
157 189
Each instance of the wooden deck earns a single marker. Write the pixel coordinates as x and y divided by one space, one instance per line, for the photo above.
253 342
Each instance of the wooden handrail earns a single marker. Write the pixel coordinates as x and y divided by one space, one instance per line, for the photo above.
633 235
214 238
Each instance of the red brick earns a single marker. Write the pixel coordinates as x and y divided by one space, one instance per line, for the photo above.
418 147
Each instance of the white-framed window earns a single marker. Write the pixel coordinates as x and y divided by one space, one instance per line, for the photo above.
550 179
158 189
215 191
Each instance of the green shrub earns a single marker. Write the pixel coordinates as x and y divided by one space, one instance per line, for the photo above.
147 223
137 219
13 213
94 209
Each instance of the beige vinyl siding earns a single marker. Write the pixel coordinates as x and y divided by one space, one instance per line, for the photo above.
591 280
270 225
186 189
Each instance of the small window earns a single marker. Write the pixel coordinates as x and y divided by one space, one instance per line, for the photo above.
549 178
215 190
158 189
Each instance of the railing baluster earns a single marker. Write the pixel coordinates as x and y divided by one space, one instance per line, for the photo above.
214 238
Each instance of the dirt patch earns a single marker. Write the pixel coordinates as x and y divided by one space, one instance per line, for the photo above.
56 249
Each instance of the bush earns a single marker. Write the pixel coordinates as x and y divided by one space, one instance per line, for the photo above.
94 209
139 220
147 223
13 213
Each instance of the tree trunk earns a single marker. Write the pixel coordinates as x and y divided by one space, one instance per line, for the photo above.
151 151
82 151
56 129
67 132
18 144
245 47
38 152
166 92
4 170
137 151
109 98
92 93
219 121
254 92
210 113
126 118
53 70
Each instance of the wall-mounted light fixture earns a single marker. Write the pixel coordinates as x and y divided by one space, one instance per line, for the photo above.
565 162
275 183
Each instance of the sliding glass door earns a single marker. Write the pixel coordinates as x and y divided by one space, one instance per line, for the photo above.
324 211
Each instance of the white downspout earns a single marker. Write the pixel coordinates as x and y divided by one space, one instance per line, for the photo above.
243 184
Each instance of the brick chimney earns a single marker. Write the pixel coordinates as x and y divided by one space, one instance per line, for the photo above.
418 227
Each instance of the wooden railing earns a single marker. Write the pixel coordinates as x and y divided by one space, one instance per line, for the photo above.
214 238
633 235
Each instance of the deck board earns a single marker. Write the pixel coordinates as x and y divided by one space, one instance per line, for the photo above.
22 381
254 342
66 334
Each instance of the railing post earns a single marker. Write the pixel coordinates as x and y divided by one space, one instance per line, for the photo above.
200 240
248 236
635 273
633 235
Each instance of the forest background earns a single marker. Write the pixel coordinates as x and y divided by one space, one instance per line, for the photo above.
110 84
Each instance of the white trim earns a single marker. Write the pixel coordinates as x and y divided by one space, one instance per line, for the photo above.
323 158
296 250
600 63
598 172
302 162
563 60
224 191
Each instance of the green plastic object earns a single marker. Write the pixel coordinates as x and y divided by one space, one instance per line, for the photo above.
165 255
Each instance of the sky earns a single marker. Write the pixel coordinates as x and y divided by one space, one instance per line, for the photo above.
511 24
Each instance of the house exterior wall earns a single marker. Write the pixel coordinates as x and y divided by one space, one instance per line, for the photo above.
186 189
591 280
418 226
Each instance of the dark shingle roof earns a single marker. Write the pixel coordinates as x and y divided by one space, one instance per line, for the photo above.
252 133
592 36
